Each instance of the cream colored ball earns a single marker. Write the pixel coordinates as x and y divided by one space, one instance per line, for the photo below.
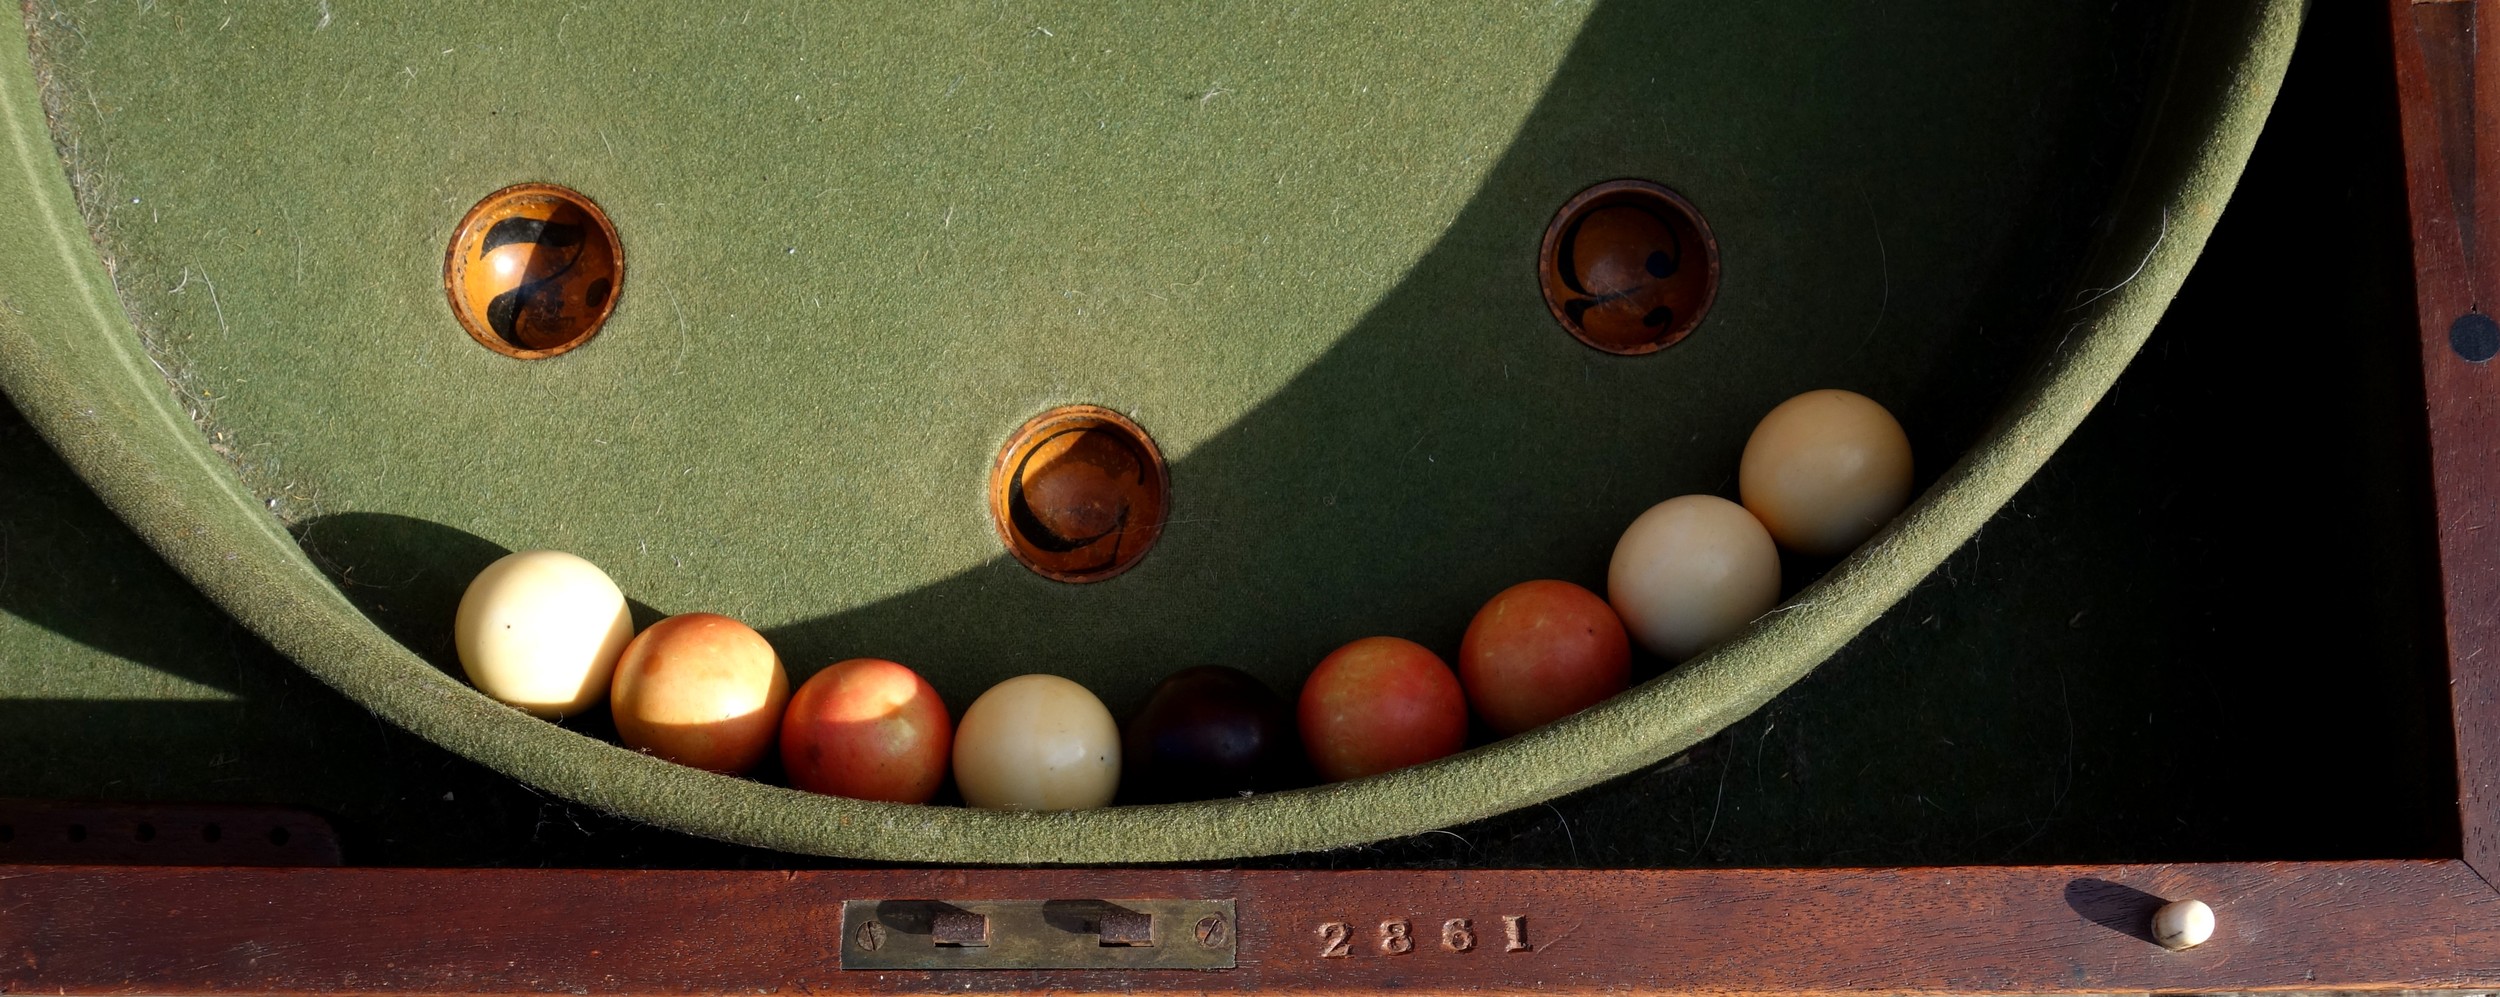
541 630
1825 470
2183 924
1690 573
1037 742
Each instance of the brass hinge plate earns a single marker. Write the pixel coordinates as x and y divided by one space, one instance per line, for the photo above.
1037 934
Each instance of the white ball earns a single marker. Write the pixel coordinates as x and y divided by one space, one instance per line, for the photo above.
2183 924
1690 573
1037 742
1825 470
541 630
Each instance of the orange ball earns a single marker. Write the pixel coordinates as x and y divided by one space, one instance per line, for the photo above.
1378 704
702 690
1540 651
868 729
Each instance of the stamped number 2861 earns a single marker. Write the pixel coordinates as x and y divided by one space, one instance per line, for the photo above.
1396 936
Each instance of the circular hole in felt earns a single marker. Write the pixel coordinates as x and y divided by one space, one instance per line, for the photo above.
211 833
1628 267
1079 493
77 833
144 832
533 270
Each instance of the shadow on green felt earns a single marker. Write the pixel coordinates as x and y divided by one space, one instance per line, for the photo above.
1454 441
68 566
2164 586
408 575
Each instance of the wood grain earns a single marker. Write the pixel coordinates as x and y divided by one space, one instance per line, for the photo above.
2449 89
2059 929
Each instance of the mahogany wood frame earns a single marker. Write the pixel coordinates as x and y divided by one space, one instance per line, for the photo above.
2041 929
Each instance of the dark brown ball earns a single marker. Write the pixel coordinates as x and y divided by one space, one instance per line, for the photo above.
1210 732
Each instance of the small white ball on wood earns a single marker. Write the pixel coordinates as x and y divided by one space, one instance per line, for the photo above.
1691 572
541 630
2183 924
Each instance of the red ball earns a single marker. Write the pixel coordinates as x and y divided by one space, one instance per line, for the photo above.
867 729
1378 704
1541 651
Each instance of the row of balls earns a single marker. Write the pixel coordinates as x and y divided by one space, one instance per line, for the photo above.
551 634
1820 474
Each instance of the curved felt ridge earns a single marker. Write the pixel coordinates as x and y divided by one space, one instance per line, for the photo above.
72 362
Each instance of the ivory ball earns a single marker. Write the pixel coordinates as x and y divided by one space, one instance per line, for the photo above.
2183 924
1037 742
541 630
1690 573
1825 470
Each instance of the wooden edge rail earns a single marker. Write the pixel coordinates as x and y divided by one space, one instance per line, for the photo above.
2045 929
2448 90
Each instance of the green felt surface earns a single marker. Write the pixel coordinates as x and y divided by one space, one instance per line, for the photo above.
2139 594
864 245
1814 160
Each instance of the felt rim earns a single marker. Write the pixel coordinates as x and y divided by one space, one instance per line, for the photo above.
72 362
